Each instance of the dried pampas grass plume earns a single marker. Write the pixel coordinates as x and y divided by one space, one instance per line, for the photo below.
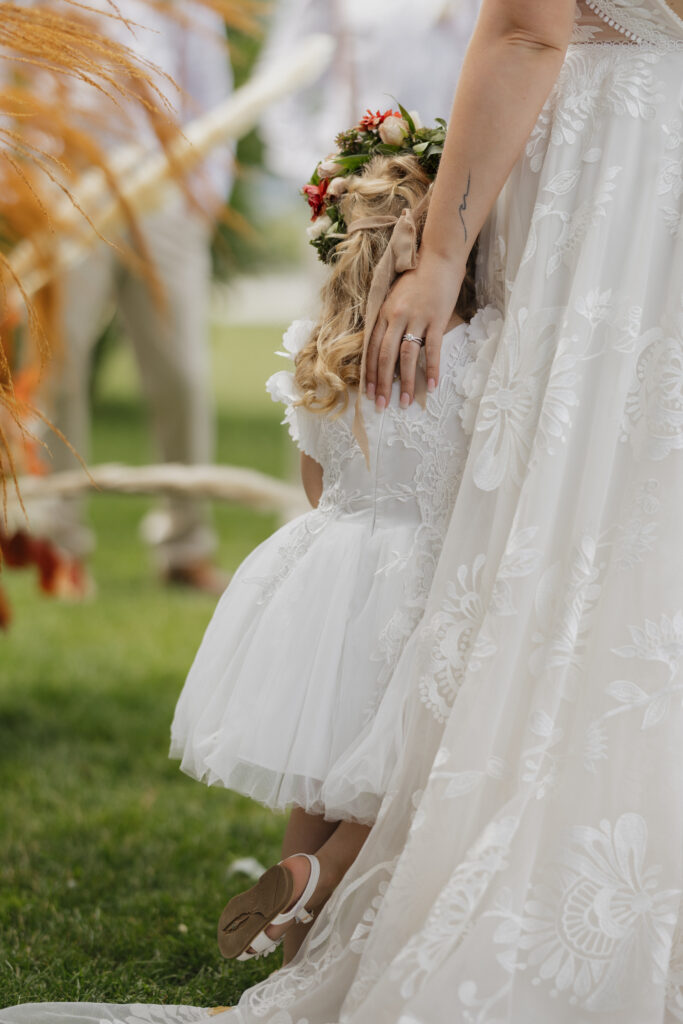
46 146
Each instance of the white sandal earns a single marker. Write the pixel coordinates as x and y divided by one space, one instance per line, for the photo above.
242 925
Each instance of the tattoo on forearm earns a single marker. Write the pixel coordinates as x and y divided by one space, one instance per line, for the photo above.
463 204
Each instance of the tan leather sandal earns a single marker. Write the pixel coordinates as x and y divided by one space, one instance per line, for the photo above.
242 925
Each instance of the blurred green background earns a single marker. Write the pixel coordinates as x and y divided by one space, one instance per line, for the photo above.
113 863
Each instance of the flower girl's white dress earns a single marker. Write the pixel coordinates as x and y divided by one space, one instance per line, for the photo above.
303 642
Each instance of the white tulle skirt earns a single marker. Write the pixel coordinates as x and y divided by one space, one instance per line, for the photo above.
288 675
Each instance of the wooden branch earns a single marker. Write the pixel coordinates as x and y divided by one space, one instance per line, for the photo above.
235 484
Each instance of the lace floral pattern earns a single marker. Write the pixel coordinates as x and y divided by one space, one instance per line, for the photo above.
618 82
599 913
522 396
460 638
436 485
650 22
670 180
457 903
654 410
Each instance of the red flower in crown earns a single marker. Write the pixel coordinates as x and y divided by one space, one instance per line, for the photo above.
370 120
316 197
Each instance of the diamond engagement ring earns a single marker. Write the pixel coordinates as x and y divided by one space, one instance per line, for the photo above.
413 337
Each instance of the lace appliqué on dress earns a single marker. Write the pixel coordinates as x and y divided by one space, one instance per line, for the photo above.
437 480
646 22
598 914
330 443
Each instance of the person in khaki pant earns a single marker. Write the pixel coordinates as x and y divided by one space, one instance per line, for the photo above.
169 337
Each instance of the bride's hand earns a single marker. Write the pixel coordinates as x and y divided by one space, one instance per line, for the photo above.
421 302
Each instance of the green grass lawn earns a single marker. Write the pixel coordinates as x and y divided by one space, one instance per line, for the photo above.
112 863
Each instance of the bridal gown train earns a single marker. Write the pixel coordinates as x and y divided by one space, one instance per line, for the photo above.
527 864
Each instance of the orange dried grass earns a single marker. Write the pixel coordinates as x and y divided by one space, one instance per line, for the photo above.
44 146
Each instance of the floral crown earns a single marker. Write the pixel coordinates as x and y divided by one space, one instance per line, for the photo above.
390 134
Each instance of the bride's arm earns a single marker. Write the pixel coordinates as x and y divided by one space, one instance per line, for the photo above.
511 64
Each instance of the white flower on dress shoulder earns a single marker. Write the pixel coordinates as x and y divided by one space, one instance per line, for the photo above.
303 425
295 337
281 388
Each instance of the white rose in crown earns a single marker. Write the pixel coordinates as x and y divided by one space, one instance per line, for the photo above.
319 227
393 131
329 168
337 187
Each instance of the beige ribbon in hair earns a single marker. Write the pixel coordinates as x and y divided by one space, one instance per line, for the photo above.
400 255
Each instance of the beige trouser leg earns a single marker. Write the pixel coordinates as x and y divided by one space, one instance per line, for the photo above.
171 346
87 292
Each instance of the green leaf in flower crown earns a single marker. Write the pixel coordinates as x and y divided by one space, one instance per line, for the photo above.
353 162
356 146
440 120
407 118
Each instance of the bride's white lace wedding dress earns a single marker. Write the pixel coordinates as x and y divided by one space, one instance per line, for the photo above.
527 865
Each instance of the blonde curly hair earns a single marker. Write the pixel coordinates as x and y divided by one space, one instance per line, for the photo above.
329 364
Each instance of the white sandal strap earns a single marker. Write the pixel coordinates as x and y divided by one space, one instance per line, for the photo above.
262 945
298 912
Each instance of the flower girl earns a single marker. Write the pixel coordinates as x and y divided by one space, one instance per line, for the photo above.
301 647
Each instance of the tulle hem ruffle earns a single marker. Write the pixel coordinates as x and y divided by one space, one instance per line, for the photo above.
280 792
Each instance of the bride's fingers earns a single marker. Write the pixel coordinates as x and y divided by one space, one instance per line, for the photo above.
410 350
433 340
372 357
386 362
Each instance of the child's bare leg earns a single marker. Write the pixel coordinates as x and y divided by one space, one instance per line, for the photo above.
336 855
305 833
